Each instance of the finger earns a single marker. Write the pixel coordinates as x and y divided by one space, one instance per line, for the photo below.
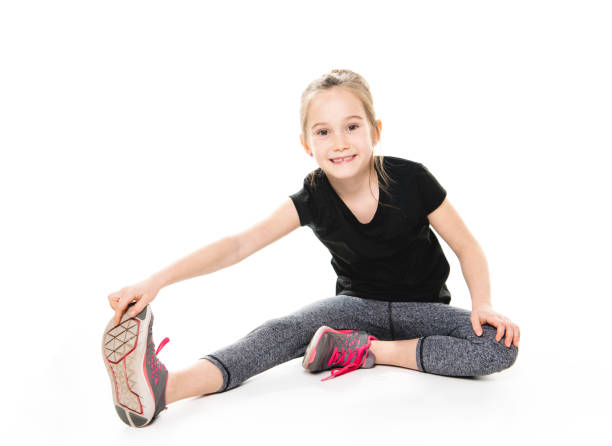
120 309
509 334
138 307
115 295
112 301
476 326
500 332
118 314
517 336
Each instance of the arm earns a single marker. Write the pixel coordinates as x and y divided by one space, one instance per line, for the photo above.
447 222
215 256
232 249
210 258
280 223
476 273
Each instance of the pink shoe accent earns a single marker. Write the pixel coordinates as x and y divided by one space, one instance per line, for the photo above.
355 358
161 345
154 364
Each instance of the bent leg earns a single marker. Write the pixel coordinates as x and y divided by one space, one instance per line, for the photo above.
282 339
447 344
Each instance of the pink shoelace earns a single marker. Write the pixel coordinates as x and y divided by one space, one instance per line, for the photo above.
161 345
154 363
355 357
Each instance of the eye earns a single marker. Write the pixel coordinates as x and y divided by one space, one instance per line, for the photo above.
322 130
353 125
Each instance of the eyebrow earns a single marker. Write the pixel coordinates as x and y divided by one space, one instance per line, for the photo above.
347 118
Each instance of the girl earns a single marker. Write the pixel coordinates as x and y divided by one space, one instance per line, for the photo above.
391 305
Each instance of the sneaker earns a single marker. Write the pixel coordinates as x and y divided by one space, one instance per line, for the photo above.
138 378
346 348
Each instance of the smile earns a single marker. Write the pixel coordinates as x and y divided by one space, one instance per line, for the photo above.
346 159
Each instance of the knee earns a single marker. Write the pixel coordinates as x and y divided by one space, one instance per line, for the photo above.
496 356
287 328
505 356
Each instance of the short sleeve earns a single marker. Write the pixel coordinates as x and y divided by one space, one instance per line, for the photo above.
302 200
431 192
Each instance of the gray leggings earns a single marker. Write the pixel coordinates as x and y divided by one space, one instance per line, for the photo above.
447 343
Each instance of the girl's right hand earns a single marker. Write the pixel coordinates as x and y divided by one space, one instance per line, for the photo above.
143 293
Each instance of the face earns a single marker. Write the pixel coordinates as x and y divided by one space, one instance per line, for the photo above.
337 127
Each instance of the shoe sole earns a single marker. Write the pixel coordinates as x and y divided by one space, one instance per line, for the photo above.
124 349
311 350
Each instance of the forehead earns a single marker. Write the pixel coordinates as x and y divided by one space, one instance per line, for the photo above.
337 102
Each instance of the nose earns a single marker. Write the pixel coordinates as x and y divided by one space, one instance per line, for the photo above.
340 142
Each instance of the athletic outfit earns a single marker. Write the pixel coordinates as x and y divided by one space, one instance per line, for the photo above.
391 275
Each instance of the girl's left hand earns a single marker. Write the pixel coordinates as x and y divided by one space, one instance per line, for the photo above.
485 314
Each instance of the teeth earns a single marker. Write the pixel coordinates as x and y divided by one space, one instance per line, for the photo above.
342 159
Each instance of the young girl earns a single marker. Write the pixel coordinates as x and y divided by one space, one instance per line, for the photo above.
391 306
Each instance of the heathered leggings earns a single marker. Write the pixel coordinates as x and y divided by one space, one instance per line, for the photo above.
447 343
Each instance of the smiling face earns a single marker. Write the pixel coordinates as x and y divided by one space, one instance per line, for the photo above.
337 128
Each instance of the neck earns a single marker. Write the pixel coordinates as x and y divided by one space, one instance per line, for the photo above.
364 183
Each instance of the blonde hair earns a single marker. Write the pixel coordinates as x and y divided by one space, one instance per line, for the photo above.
357 85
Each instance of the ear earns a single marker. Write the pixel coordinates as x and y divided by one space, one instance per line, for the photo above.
375 136
305 145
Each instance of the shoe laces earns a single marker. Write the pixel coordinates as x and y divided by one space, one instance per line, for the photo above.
161 345
155 365
351 357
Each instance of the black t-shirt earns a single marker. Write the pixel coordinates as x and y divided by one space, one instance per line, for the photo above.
394 257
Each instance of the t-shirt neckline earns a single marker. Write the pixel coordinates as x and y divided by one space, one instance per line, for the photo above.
348 211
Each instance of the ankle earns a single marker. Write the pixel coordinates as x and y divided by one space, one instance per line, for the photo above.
171 394
374 346
401 353
202 378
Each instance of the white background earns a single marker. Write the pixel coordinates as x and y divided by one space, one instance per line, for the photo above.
133 133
